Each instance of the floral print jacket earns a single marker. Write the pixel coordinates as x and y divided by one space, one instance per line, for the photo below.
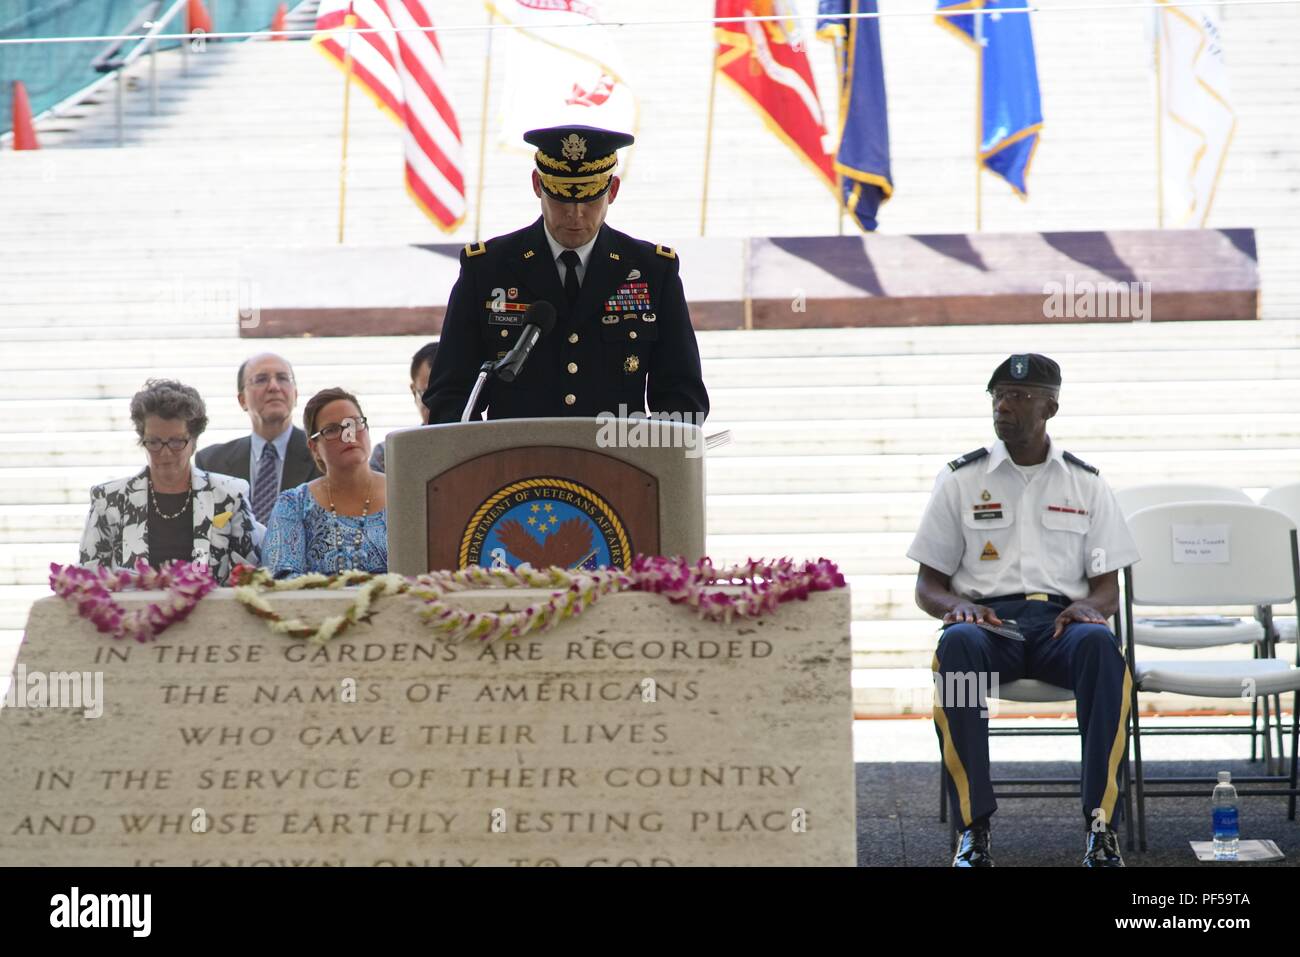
117 528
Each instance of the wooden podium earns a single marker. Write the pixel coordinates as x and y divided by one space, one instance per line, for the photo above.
571 492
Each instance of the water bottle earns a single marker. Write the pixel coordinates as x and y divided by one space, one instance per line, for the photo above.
1225 818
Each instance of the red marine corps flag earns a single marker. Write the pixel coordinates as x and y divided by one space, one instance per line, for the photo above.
766 63
404 74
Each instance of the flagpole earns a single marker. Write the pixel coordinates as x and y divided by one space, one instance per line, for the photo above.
708 134
350 22
1160 123
482 133
979 118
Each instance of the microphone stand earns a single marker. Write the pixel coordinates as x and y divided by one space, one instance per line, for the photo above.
484 371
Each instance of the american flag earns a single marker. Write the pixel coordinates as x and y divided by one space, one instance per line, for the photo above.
405 75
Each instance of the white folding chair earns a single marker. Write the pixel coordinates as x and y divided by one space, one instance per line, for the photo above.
1212 553
1137 497
1286 499
1168 633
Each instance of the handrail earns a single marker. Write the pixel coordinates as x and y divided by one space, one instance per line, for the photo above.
108 61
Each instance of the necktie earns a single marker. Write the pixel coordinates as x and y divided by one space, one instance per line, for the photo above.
571 262
267 486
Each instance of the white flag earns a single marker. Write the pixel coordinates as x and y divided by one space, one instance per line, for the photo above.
562 68
1196 119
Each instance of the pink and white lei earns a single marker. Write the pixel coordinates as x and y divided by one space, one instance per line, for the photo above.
91 590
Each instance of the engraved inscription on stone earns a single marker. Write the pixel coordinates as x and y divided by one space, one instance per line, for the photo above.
636 735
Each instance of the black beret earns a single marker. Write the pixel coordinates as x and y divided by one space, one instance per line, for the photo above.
576 163
1028 369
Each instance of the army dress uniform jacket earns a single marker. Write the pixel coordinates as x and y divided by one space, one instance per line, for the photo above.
628 341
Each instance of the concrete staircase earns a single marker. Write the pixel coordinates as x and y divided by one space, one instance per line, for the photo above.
121 264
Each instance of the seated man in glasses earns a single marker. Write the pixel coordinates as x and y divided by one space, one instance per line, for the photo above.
1027 539
274 456
337 522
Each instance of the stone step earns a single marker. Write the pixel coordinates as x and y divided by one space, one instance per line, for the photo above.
793 475
872 344
388 405
1127 370
814 439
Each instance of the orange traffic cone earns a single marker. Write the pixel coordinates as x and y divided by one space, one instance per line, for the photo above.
199 19
24 134
277 22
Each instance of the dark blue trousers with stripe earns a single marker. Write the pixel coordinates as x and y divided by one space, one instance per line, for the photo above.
1085 658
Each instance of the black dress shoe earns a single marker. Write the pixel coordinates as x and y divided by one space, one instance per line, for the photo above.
1103 850
973 848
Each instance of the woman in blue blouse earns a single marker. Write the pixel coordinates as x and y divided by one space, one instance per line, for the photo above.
336 522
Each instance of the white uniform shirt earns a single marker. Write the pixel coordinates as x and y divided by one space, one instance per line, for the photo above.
996 532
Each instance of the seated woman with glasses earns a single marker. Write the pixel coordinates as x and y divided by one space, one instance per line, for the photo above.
171 510
335 522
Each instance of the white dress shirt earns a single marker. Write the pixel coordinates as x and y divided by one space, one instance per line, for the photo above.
583 251
997 531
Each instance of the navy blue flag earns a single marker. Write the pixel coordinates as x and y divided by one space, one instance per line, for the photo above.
1012 111
862 158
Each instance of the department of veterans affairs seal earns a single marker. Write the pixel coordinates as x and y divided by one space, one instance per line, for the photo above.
544 522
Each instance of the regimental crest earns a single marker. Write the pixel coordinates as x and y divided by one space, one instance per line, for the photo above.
631 364
545 521
1019 367
573 146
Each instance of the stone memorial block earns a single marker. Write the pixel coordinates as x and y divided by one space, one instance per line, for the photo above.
635 734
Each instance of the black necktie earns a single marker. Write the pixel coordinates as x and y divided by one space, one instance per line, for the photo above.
571 263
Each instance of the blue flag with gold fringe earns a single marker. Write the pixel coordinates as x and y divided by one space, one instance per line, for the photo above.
1012 111
862 158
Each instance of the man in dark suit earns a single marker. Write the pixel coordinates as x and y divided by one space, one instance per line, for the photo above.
622 341
275 456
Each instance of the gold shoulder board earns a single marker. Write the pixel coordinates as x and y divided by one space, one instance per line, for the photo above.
475 249
665 252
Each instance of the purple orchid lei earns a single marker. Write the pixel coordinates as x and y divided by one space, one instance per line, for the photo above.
90 589
765 584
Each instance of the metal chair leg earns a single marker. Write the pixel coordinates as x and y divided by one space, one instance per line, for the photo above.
1137 771
1295 739
1128 800
1281 750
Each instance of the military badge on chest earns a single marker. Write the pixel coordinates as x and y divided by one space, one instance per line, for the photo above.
631 296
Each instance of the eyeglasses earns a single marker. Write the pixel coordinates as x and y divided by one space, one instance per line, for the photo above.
176 445
263 379
1016 395
332 432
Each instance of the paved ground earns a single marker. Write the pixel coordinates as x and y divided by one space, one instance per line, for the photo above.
898 801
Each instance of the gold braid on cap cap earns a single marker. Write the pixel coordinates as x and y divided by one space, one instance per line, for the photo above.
575 187
550 162
605 162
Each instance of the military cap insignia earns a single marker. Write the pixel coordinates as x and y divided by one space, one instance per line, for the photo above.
475 249
665 252
1019 367
573 146
631 364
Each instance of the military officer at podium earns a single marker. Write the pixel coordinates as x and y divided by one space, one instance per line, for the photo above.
622 340
1024 532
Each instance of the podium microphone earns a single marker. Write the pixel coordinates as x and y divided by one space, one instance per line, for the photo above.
538 321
